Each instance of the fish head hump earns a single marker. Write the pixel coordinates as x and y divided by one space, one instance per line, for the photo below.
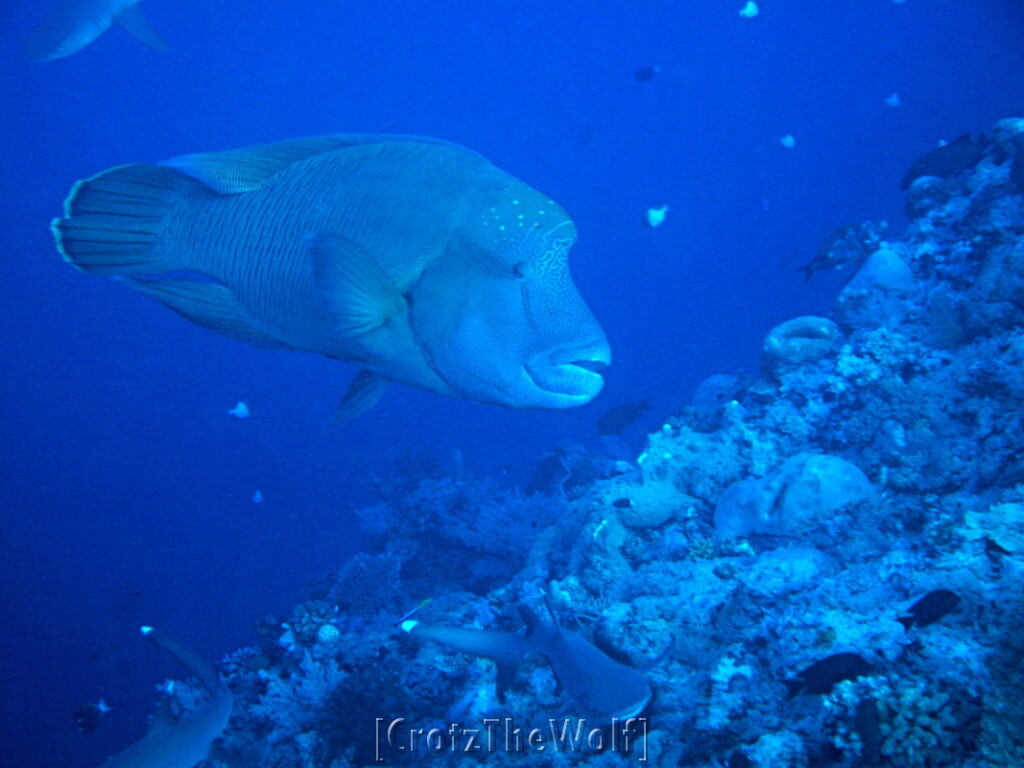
498 315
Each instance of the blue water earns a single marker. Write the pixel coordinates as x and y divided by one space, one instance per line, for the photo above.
126 488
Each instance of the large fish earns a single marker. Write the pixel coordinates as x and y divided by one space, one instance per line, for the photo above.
415 258
948 160
73 24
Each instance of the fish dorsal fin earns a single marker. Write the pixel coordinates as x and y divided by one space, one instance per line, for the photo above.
353 288
134 21
247 169
363 393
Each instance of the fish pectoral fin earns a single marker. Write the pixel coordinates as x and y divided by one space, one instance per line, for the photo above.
210 305
134 21
353 289
363 393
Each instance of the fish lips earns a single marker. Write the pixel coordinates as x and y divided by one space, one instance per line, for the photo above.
570 375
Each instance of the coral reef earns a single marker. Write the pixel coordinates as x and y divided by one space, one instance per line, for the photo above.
774 522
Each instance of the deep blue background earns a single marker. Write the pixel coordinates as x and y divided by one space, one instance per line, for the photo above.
126 487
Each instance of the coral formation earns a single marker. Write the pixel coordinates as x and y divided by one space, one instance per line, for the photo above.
774 522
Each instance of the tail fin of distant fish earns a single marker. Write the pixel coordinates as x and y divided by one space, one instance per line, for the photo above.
808 271
72 24
133 21
112 221
907 622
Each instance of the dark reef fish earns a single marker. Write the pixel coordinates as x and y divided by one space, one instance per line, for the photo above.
619 417
930 608
949 159
599 687
73 24
549 475
823 674
846 246
413 257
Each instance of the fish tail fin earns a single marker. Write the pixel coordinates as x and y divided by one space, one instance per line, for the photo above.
112 221
133 21
808 271
907 622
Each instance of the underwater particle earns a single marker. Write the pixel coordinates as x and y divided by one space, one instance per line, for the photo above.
240 411
89 716
947 160
788 141
656 216
257 496
823 674
646 74
930 608
617 418
893 99
750 10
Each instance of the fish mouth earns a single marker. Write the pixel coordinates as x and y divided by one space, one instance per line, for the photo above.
573 374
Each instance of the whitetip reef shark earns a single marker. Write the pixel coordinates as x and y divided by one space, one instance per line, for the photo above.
597 686
184 742
72 24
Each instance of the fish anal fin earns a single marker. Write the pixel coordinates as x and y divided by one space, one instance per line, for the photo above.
363 393
353 289
134 21
208 304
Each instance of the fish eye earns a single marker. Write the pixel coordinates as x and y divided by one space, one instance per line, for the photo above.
519 270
